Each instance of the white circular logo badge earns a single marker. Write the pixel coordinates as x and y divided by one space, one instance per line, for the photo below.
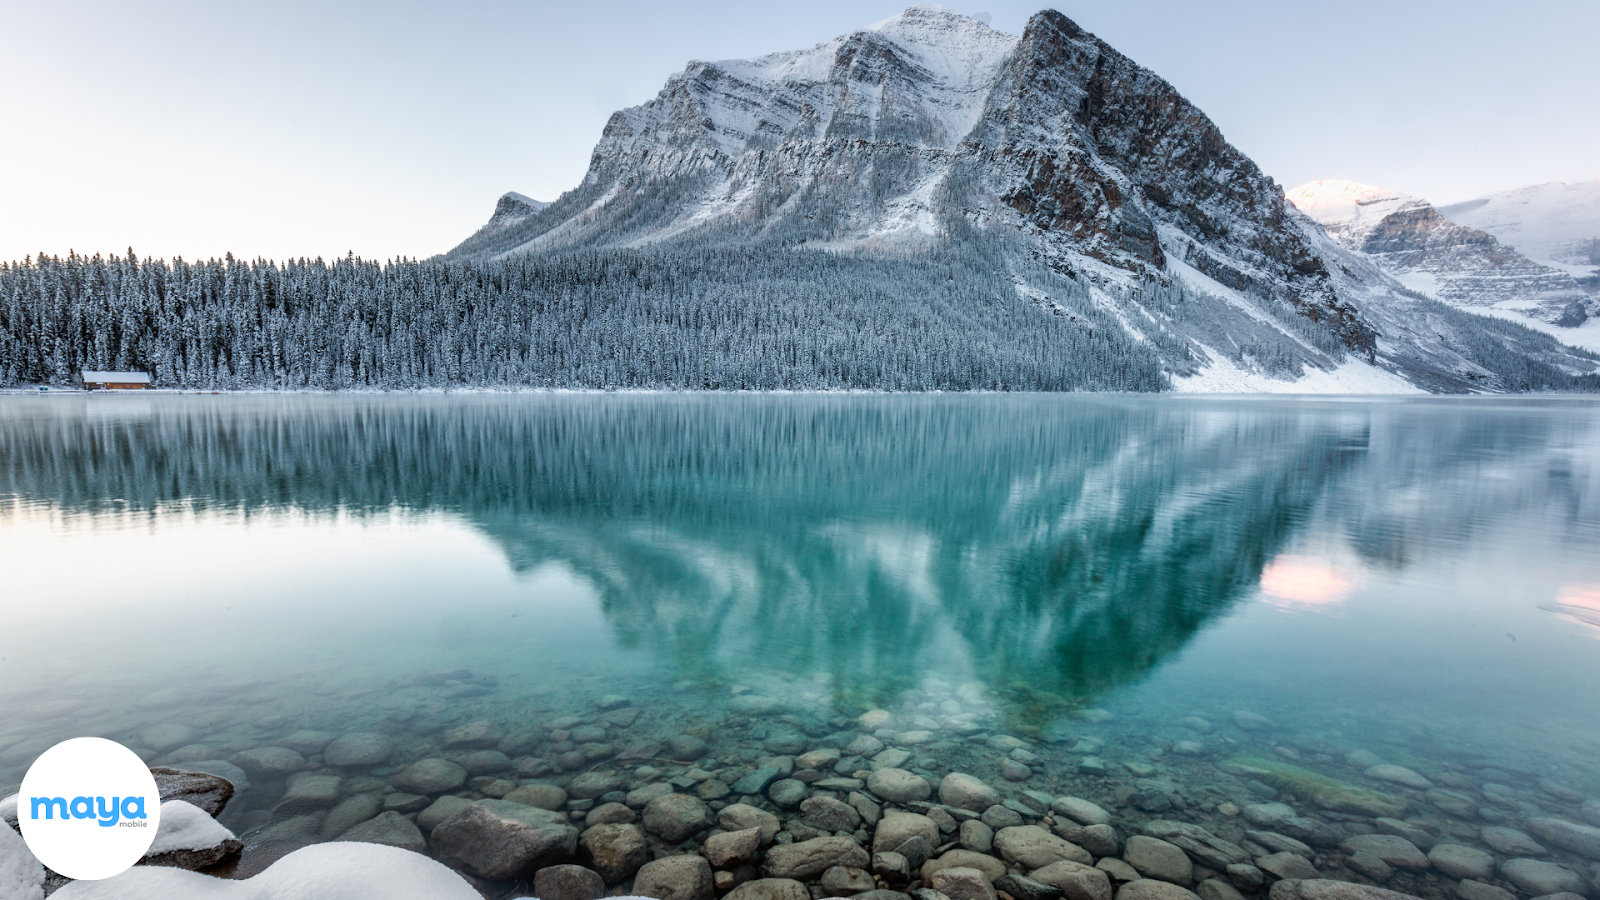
89 808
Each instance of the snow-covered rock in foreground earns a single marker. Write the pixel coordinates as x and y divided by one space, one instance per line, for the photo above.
332 871
1552 223
21 876
189 838
1428 253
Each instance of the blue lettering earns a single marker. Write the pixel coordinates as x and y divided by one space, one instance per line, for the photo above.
108 811
49 803
108 817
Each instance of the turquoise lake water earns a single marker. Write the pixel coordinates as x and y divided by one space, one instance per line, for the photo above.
1419 579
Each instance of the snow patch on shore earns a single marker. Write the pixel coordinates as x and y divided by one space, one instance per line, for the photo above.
1222 376
21 876
341 870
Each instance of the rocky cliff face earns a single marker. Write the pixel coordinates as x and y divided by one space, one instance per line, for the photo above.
930 127
1412 241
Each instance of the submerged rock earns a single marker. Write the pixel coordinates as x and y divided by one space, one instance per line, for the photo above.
430 776
210 793
1393 850
308 793
898 827
739 816
1398 775
1022 887
805 859
269 763
1511 842
963 791
1150 889
1205 847
1460 861
788 793
984 863
959 883
1155 858
503 841
616 851
675 878
568 882
590 785
1075 881
731 846
541 796
1081 811
770 889
390 829
477 735
844 881
1537 878
1583 840
167 736
307 742
360 749
676 817
1327 889
1032 847
1329 793
1285 864
439 810
350 813
898 785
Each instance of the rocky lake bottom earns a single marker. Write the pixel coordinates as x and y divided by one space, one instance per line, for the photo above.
692 790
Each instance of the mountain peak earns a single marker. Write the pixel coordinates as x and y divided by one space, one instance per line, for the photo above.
926 15
1350 210
1335 199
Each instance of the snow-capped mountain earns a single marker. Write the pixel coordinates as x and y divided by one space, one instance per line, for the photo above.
1557 224
931 128
1427 252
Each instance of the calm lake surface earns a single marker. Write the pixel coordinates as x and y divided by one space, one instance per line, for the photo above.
1324 583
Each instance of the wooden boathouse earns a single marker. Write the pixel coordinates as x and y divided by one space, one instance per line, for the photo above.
115 381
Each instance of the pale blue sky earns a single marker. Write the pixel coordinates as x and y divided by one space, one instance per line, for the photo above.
299 128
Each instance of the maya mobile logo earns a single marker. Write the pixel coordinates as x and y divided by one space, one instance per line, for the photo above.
89 808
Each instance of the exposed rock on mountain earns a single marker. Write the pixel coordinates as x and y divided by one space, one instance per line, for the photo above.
931 128
512 210
1462 266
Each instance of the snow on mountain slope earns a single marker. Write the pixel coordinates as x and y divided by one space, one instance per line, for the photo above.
932 129
1428 253
1552 223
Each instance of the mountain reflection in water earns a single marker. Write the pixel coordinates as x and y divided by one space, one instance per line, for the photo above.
1052 547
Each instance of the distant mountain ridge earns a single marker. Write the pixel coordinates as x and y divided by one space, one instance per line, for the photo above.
1413 241
931 128
1554 223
